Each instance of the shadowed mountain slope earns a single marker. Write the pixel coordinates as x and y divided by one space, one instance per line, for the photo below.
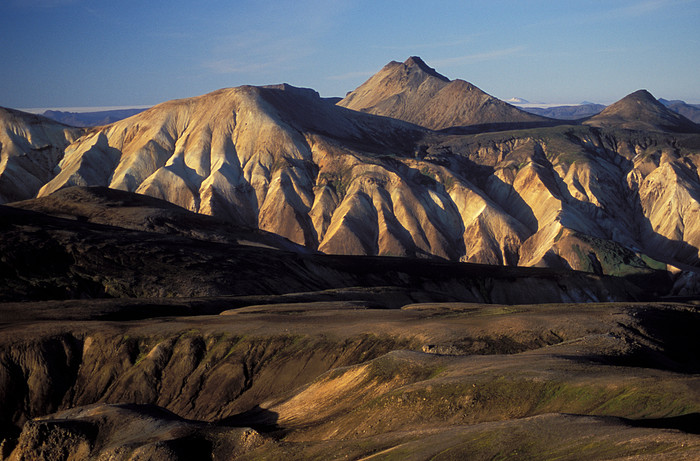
128 210
47 257
414 92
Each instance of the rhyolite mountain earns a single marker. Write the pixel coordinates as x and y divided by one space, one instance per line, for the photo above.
30 148
617 195
414 92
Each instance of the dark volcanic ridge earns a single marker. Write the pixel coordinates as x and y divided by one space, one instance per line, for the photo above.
88 119
50 257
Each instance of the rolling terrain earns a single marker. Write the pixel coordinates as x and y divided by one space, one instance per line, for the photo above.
101 243
341 379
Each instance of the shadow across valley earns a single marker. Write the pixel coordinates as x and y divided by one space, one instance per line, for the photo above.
260 419
509 126
689 423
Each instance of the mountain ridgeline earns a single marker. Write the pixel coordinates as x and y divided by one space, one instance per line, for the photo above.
409 164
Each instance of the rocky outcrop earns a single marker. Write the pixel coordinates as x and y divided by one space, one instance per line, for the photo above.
129 432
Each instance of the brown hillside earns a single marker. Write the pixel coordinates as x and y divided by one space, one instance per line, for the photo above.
642 111
414 92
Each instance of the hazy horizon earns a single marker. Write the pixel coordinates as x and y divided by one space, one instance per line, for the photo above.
82 53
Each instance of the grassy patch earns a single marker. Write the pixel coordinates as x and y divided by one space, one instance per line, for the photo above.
336 181
448 183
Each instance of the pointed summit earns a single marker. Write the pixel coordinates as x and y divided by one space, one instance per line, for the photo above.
642 111
415 61
414 92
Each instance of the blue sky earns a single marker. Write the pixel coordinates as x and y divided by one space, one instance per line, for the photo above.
60 53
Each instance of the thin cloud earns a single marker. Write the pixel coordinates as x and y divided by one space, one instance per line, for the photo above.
639 9
642 8
351 75
612 13
256 53
487 56
422 46
42 3
256 49
239 66
618 50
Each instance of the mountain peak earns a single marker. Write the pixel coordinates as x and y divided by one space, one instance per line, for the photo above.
640 110
414 92
641 96
417 62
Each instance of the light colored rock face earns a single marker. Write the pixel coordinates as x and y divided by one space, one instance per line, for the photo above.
30 148
414 92
345 182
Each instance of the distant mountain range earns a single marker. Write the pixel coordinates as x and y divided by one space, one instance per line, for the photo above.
690 111
408 164
84 119
575 112
588 109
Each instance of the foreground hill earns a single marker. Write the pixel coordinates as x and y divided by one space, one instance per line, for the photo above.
604 197
416 93
338 380
127 210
